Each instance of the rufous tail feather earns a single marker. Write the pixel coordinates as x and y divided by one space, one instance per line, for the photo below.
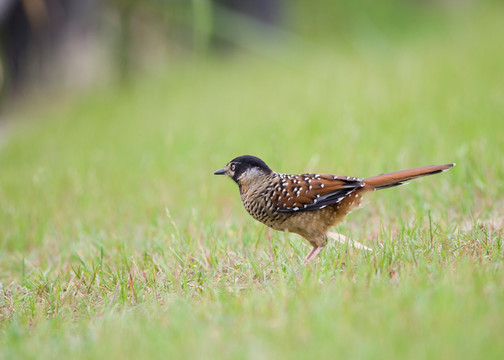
384 181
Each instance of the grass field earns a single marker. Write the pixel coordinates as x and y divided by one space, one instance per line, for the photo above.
116 241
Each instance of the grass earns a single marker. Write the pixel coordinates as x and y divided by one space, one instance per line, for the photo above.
118 242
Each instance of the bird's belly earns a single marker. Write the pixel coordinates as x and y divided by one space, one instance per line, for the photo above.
312 224
309 224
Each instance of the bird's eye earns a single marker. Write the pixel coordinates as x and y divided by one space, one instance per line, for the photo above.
233 167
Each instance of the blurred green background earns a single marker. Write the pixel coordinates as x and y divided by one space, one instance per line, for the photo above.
116 239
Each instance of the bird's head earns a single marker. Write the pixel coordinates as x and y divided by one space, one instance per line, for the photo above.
245 168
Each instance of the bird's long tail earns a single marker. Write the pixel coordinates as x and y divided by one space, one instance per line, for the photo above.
384 181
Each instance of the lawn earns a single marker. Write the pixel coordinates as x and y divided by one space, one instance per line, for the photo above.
116 241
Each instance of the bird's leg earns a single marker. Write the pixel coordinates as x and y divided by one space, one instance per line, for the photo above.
313 253
342 239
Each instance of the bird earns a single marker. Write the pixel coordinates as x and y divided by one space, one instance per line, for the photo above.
308 204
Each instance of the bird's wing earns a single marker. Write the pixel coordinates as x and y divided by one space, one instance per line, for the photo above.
307 192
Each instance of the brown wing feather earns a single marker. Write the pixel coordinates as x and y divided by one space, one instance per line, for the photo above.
307 192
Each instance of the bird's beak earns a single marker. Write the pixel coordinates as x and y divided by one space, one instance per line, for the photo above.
220 172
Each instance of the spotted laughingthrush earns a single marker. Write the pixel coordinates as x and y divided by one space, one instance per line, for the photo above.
307 204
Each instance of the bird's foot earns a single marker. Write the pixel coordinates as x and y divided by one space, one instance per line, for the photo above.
342 239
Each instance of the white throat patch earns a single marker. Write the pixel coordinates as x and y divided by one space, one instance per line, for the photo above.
250 174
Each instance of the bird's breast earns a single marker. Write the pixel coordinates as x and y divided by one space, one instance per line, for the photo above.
258 203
